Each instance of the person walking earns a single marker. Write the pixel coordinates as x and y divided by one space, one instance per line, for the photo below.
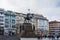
39 37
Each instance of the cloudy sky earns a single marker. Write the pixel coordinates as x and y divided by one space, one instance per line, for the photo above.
48 8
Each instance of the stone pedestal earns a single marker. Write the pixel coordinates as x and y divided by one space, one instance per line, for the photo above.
29 31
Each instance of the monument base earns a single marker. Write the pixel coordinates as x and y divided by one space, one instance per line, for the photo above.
28 30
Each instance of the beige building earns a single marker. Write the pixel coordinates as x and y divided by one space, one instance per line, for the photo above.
19 20
54 27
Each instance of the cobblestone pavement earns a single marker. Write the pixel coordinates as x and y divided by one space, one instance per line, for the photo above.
37 39
17 38
9 38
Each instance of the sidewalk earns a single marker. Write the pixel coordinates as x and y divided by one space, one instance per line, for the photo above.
37 39
9 38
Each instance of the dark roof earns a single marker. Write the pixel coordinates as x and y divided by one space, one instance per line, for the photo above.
54 21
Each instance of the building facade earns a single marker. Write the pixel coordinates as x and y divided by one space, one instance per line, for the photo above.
54 27
39 21
42 24
19 20
2 21
10 22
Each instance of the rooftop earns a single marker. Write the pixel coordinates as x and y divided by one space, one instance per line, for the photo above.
54 21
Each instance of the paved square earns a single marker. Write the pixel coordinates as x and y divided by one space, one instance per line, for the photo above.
37 39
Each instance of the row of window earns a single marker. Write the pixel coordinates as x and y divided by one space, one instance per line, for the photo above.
7 21
1 16
1 13
10 15
1 20
8 26
42 23
13 22
43 28
1 23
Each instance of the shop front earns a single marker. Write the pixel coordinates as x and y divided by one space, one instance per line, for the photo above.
1 30
10 32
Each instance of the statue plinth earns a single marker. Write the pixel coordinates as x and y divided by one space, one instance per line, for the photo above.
28 30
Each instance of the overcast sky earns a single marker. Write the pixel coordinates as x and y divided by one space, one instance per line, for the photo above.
48 8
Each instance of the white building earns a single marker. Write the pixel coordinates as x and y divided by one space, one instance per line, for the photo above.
2 21
43 25
10 22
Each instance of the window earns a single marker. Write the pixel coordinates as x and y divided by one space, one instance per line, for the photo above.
40 22
1 24
6 25
1 16
1 20
6 21
7 17
13 15
13 26
13 21
45 22
1 13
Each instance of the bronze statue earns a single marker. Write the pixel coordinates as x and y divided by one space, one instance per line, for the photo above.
29 17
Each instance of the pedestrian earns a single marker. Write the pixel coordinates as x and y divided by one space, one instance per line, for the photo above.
57 37
38 36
